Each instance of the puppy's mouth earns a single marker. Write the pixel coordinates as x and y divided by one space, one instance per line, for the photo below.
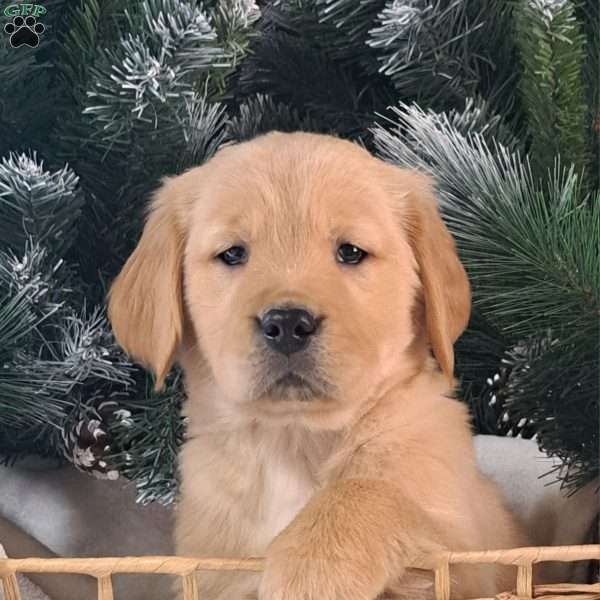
292 380
289 380
292 386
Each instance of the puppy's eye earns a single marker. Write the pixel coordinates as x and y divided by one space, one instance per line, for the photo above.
236 255
350 254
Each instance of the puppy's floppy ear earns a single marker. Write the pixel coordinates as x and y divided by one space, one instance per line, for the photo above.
446 289
145 300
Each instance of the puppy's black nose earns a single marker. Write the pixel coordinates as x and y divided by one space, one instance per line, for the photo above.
288 330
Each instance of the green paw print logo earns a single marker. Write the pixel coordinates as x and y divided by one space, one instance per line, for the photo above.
24 29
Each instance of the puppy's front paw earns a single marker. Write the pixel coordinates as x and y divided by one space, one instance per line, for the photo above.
300 578
347 543
305 572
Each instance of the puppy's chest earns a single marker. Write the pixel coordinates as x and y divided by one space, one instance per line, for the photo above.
241 494
285 488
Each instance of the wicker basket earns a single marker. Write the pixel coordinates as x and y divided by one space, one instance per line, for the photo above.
103 568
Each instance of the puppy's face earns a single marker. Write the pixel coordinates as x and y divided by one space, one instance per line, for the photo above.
298 280
309 273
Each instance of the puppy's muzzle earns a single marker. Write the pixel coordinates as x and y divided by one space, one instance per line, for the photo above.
288 330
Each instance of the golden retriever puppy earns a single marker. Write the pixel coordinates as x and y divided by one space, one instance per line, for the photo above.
312 295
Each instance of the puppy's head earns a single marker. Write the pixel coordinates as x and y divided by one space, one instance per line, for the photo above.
307 272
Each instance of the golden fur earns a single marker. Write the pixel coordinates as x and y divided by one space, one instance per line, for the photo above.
342 489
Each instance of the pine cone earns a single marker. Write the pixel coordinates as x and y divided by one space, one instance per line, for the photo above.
87 444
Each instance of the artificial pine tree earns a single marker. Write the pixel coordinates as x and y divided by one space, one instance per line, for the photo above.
498 101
